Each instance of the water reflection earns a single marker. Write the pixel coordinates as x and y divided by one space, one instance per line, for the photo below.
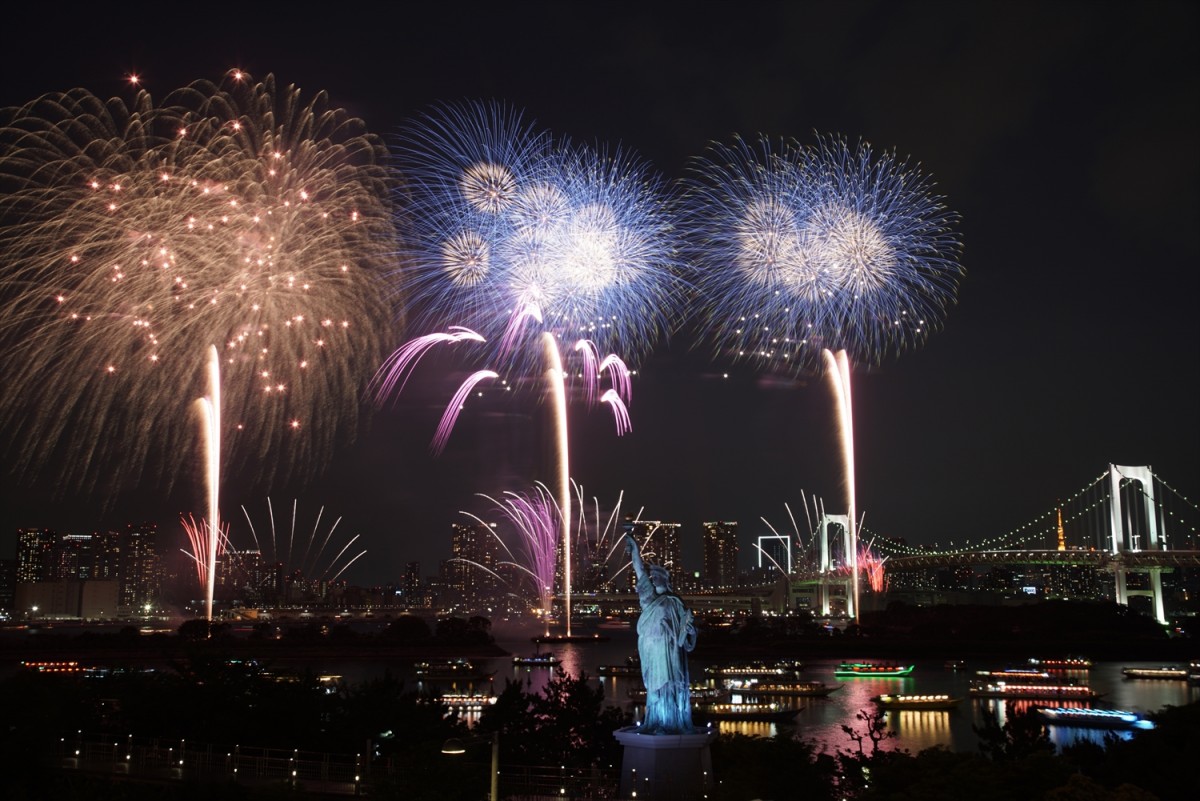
920 728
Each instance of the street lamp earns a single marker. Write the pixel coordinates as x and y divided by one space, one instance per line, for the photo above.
455 747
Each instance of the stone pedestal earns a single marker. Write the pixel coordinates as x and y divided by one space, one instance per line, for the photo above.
665 767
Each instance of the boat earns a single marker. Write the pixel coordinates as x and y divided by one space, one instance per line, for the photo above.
774 713
776 688
1065 663
743 670
450 670
543 639
872 669
700 694
632 667
56 667
537 659
1094 718
461 702
1032 690
955 664
1171 672
1026 674
929 702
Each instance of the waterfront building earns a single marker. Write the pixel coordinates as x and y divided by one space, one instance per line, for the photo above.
141 569
470 574
35 555
720 554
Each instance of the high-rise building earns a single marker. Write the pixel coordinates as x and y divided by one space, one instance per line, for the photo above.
141 579
413 593
8 583
660 544
720 554
471 572
35 555
87 557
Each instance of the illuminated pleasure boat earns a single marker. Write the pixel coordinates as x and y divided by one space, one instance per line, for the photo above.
1172 672
700 694
749 670
1033 690
1065 663
777 688
462 702
930 702
1094 718
537 659
1015 674
872 669
450 670
632 667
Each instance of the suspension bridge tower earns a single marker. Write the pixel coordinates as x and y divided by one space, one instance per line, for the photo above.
831 574
1127 539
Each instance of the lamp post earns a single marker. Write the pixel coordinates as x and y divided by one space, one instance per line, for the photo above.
456 746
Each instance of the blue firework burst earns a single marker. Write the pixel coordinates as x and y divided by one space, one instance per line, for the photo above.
518 235
834 246
463 166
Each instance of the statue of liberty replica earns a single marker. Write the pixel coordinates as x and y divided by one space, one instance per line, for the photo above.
666 633
665 758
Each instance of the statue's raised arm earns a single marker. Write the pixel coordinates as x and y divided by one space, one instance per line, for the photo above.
631 548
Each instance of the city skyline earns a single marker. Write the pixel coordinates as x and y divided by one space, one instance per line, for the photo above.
1062 136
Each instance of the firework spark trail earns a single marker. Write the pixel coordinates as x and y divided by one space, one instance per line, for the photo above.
393 375
537 518
796 528
556 378
205 546
838 369
618 374
620 413
238 215
308 567
591 369
450 416
210 409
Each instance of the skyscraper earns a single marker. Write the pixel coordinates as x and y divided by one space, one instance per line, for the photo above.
660 543
720 554
471 573
35 555
140 568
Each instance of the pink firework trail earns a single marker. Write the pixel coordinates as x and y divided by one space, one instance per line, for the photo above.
528 311
618 374
591 370
537 520
395 372
450 416
620 413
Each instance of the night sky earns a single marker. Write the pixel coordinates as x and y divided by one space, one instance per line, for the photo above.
1065 134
